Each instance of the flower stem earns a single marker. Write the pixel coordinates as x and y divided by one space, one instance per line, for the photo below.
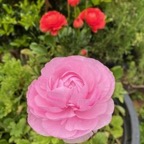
68 10
86 3
75 12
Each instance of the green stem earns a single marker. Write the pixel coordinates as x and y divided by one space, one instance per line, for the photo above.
75 12
139 20
86 3
68 10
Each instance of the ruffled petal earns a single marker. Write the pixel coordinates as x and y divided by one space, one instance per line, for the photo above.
76 123
36 124
79 139
106 83
95 111
68 113
110 107
54 128
46 105
103 121
59 96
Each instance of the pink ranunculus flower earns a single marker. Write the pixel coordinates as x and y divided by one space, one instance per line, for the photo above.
71 99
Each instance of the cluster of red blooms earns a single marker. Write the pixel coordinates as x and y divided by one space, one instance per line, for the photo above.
53 21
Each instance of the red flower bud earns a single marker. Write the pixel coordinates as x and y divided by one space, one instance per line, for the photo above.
83 52
73 3
78 23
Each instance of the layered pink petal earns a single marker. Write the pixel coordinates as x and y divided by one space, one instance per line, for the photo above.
47 105
95 111
79 139
54 128
76 123
36 124
67 113
103 121
106 83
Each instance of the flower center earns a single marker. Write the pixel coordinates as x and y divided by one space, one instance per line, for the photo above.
92 15
71 80
73 106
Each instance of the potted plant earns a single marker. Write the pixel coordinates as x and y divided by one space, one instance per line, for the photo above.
71 35
62 42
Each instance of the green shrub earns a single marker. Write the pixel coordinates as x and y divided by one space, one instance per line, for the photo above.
19 22
123 33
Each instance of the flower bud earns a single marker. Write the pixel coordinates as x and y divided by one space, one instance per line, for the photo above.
78 23
83 52
73 3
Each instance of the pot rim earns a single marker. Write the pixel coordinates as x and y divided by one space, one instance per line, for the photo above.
131 123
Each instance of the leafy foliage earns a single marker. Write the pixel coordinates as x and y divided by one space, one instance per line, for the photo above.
17 21
97 2
123 33
12 88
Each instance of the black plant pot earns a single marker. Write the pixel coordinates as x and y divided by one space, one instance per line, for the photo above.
131 123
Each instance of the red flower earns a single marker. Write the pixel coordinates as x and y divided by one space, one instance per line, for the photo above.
52 22
73 2
83 52
78 23
94 17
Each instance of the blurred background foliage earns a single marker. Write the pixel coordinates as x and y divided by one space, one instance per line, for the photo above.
24 50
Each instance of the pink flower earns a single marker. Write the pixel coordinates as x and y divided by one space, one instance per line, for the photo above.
73 3
71 99
78 23
94 17
52 22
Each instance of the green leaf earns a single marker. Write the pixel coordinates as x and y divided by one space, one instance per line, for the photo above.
2 32
119 92
38 139
22 141
26 52
117 121
5 106
22 41
120 109
116 125
8 9
29 14
3 141
95 2
38 49
17 129
117 71
106 0
117 132
56 141
50 40
7 121
99 138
